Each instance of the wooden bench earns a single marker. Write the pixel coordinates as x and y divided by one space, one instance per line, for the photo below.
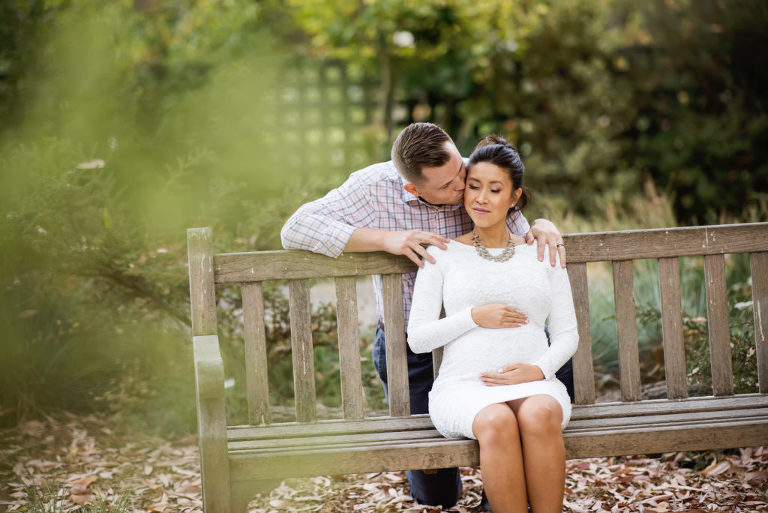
238 461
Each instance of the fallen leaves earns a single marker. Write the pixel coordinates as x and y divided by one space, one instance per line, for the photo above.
93 463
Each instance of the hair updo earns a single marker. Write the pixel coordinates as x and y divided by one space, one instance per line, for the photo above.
496 150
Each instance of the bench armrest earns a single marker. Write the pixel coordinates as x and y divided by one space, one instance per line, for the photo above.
209 367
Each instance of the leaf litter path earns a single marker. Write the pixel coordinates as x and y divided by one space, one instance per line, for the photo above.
83 458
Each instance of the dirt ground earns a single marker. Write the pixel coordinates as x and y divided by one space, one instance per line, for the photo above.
81 460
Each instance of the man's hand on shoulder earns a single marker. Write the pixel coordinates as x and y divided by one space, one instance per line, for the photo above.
545 233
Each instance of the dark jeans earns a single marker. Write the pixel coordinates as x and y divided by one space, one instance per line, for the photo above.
442 486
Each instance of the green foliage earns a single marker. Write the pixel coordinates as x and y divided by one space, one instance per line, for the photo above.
701 125
597 95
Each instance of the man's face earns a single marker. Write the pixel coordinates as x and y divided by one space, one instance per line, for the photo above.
443 185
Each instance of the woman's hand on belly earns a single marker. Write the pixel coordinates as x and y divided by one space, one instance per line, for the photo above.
513 374
497 315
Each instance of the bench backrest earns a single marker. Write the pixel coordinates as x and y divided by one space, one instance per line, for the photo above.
620 248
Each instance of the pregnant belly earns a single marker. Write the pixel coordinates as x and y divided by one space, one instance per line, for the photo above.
486 350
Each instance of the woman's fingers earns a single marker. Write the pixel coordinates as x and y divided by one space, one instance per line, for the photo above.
512 375
514 317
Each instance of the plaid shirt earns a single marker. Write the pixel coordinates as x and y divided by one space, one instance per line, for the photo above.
374 197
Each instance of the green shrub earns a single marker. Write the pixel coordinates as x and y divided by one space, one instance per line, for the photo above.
695 334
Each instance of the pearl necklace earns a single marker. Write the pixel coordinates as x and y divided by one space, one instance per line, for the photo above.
483 252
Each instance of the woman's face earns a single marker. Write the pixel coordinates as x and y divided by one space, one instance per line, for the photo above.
489 194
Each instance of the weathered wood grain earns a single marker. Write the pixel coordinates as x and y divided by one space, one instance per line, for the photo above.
717 324
666 242
211 422
345 439
581 247
292 265
583 372
301 350
202 292
397 364
672 328
256 376
626 328
349 349
387 457
759 266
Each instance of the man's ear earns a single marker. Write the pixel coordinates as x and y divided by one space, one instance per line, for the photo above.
412 189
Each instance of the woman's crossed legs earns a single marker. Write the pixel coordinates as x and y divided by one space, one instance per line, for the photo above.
522 456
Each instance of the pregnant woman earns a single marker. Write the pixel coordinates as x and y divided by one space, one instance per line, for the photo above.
497 378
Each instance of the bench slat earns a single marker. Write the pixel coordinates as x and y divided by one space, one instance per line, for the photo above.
672 328
759 266
349 349
294 265
626 327
301 350
717 325
667 242
330 440
583 372
333 426
385 457
256 377
397 364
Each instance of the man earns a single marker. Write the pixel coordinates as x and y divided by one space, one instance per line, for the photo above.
401 207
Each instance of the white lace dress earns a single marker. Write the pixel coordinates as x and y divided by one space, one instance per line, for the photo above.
462 279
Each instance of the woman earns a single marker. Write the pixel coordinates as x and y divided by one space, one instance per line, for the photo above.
497 379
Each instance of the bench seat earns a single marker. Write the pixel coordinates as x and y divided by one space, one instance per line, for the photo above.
378 444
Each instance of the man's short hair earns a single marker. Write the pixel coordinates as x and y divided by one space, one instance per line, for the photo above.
419 145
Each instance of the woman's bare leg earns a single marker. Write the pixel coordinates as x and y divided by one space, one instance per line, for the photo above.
539 419
501 458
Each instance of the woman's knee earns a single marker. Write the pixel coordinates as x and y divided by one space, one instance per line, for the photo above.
540 414
495 423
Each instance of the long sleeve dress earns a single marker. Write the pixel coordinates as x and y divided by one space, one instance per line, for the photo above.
461 279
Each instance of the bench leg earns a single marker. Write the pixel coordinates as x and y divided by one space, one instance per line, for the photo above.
239 502
214 461
211 423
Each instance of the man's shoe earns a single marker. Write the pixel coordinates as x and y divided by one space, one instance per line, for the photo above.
484 502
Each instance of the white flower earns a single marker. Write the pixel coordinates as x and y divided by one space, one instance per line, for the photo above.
403 39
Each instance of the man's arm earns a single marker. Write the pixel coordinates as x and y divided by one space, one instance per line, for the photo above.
342 220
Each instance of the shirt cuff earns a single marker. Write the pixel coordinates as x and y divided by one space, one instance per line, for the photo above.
334 240
546 367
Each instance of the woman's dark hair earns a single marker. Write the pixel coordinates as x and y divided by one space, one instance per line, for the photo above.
496 150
